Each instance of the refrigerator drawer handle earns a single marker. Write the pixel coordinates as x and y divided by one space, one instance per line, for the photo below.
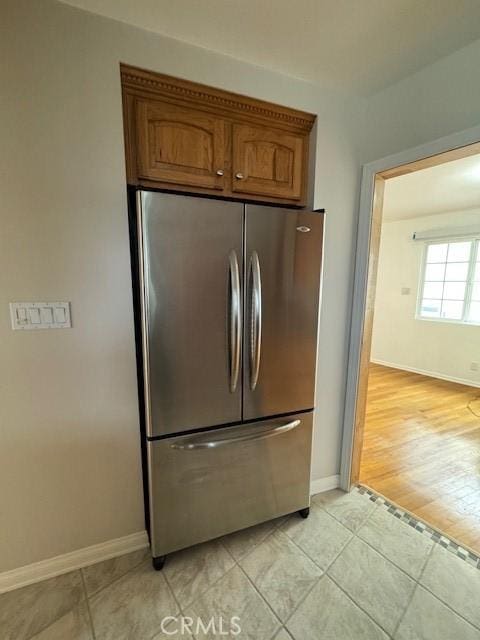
234 320
255 319
189 445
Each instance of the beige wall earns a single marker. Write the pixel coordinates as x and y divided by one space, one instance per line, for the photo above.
399 339
440 99
70 462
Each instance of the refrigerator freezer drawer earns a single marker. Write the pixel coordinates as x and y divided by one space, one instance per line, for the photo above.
212 483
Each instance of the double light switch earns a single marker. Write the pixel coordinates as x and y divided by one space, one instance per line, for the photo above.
40 315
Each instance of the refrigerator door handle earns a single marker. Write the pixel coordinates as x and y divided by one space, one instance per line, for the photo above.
235 320
200 443
255 319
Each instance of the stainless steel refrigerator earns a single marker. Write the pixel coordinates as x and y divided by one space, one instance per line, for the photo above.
228 297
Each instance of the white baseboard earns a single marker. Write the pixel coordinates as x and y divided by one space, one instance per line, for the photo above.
430 374
52 567
324 484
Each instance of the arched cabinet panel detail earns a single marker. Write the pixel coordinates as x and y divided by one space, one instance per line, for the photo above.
181 146
267 162
184 136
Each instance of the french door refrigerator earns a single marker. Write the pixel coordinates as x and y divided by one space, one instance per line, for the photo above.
229 297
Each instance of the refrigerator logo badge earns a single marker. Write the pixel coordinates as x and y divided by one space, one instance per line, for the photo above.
303 229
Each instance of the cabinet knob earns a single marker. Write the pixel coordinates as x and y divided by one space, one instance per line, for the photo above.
239 176
219 172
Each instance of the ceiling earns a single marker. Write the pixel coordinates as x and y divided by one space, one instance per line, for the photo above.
452 186
359 46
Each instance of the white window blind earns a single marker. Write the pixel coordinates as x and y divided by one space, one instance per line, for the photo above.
447 233
450 287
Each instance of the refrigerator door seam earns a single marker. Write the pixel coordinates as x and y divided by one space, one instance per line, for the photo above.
228 425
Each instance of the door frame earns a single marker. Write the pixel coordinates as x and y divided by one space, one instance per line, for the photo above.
374 174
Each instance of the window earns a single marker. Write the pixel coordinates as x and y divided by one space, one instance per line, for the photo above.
450 287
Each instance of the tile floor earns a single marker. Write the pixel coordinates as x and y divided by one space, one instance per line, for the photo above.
353 570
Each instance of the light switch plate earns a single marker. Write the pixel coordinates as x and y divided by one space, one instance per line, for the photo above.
40 315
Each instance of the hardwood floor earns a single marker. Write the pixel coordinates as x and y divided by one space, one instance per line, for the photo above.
422 449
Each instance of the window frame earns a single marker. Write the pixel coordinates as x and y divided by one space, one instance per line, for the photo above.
474 257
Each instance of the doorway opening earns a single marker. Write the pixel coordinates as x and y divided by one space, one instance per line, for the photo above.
416 437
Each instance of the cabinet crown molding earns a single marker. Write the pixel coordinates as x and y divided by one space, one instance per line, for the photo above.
188 137
160 84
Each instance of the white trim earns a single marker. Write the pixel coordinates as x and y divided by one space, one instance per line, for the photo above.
459 323
430 374
324 484
38 571
52 567
454 141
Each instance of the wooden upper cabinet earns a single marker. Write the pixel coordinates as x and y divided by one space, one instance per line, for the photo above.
187 137
267 162
178 145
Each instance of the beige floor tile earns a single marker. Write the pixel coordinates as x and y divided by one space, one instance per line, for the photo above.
328 614
192 571
74 625
320 536
27 611
375 584
242 542
97 576
397 541
351 509
363 595
233 597
281 572
282 635
429 619
132 607
455 582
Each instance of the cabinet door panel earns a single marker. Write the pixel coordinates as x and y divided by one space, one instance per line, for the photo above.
180 145
268 162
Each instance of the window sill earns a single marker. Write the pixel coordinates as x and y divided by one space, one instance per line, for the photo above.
461 323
